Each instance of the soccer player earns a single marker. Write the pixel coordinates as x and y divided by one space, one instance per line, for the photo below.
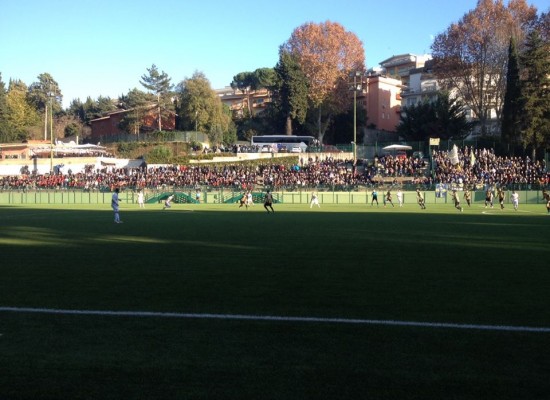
400 197
114 206
167 203
388 199
515 199
244 200
268 202
420 199
314 200
468 197
456 199
249 199
374 197
546 197
489 197
141 199
501 196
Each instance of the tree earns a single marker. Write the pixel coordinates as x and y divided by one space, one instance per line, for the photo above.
45 89
159 84
72 129
470 57
416 122
244 81
3 110
99 107
512 108
291 93
543 25
444 118
200 109
136 102
264 78
45 96
536 92
76 109
327 54
20 114
450 117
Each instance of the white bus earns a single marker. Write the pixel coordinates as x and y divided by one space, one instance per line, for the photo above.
282 143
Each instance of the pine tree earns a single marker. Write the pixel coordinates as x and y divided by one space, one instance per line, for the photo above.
159 84
512 109
536 93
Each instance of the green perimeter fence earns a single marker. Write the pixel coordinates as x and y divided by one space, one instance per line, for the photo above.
228 196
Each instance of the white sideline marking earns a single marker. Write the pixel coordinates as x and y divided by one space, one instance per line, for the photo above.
448 325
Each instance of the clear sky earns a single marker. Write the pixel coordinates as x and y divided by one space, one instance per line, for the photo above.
103 47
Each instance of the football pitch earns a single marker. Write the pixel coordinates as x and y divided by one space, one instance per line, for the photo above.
221 302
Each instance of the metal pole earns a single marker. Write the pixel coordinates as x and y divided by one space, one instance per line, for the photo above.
46 121
51 132
354 118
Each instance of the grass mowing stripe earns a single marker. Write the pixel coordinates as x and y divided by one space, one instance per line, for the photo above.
278 318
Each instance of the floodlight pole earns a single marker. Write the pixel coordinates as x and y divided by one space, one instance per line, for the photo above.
356 86
51 130
354 122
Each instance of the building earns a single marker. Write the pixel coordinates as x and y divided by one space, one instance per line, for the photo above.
382 99
400 66
238 102
422 86
110 124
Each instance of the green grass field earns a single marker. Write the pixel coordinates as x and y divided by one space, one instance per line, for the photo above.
353 276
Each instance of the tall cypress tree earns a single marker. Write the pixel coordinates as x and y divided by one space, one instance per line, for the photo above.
536 93
292 92
512 109
3 110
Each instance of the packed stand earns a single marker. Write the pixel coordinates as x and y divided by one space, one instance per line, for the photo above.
329 173
477 168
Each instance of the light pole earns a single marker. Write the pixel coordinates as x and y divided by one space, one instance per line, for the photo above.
196 123
51 94
357 86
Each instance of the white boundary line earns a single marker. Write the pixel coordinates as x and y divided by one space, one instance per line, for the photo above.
509 328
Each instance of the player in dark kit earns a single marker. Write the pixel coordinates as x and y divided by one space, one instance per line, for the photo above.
501 196
268 201
456 199
546 197
388 199
243 201
468 197
374 198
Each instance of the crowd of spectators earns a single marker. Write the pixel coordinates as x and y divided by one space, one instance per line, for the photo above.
330 173
475 168
482 168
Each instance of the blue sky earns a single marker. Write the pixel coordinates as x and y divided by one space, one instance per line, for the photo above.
103 47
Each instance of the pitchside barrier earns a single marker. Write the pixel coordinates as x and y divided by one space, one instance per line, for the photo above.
228 196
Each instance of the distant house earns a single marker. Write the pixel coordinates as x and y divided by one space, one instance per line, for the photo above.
422 86
237 101
400 66
383 102
110 124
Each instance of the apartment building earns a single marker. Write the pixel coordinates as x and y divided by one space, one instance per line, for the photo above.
400 66
422 85
382 99
240 103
